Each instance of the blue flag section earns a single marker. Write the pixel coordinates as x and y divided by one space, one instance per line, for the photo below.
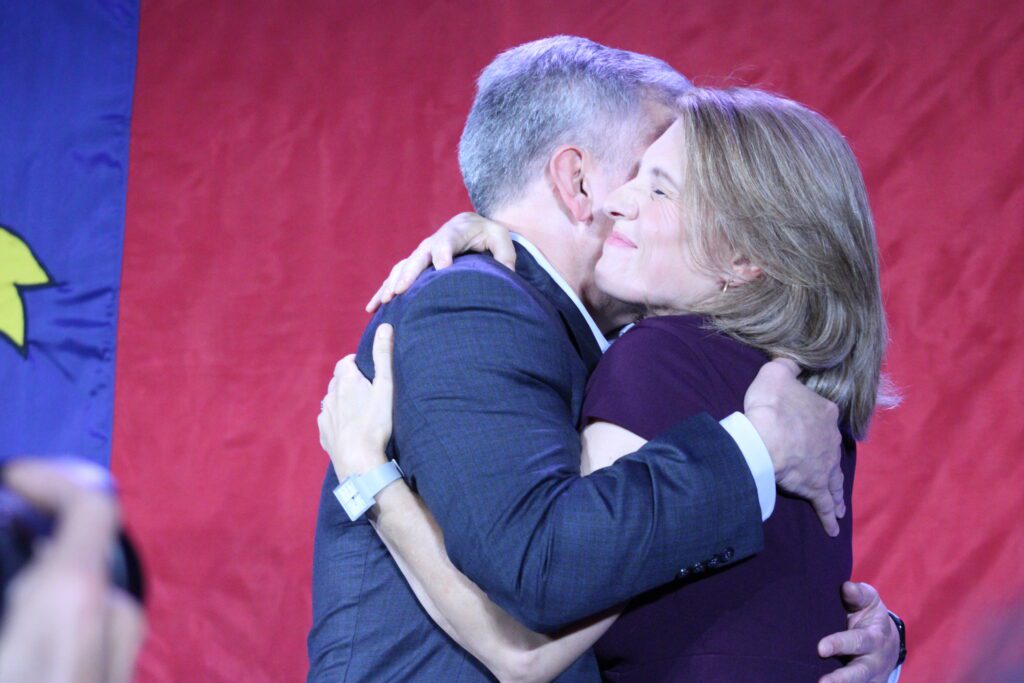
67 70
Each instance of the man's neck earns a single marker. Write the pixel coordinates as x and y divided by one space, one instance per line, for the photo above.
562 244
611 315
552 238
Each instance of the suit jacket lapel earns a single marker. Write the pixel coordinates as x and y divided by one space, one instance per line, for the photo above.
576 326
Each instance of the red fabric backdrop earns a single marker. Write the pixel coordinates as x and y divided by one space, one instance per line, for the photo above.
284 154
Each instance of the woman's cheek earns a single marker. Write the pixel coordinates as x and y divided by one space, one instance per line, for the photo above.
613 278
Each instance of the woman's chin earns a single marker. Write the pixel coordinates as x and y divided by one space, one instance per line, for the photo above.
614 284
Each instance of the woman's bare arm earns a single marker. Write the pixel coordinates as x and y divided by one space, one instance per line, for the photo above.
463 233
355 425
604 443
508 649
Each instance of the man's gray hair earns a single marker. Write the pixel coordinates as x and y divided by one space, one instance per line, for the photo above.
555 91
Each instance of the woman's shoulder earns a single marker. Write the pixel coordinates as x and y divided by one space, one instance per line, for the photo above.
658 372
666 368
691 338
660 342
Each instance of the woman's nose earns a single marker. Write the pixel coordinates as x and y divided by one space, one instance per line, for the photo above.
621 205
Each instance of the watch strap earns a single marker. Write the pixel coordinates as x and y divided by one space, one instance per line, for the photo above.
901 629
374 481
356 492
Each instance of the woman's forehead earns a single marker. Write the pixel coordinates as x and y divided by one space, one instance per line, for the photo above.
665 155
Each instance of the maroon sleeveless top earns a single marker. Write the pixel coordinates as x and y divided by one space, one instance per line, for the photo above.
759 620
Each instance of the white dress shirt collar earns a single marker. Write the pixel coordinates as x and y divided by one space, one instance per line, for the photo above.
602 343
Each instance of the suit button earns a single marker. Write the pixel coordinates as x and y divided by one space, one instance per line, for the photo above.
697 568
714 562
683 573
728 554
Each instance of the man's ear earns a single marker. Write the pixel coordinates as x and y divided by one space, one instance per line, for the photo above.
568 168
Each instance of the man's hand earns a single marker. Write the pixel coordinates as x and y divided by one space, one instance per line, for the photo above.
800 430
464 233
871 642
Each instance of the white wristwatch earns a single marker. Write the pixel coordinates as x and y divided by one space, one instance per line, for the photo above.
356 492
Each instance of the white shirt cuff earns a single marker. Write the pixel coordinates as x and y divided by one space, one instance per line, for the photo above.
756 454
895 674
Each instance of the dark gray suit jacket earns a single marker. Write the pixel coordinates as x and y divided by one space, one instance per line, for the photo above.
490 370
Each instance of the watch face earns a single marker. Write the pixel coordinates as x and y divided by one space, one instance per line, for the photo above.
351 500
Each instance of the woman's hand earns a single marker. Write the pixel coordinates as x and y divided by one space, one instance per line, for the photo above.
464 233
355 418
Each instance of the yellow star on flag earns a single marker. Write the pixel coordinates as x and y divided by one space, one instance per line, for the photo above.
18 268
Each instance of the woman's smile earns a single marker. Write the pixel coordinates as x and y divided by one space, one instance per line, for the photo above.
617 239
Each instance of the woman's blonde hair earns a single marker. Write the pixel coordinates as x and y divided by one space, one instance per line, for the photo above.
774 182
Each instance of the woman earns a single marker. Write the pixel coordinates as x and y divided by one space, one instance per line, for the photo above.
746 234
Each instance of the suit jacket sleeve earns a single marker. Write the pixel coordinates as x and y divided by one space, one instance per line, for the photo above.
485 430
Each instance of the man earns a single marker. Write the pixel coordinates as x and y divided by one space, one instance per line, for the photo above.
490 368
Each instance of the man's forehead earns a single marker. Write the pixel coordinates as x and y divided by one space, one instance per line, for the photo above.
658 119
627 148
661 118
633 170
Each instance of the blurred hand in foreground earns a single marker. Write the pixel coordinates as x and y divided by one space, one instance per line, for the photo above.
64 622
